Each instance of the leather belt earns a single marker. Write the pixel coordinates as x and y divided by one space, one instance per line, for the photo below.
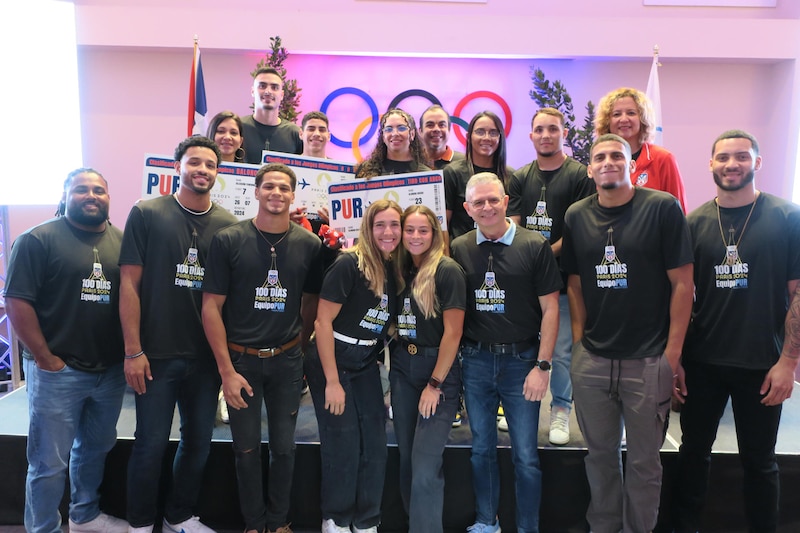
264 353
352 340
511 348
416 349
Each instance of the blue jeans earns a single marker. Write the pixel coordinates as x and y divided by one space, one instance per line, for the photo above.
489 379
353 444
73 422
276 381
560 381
421 442
710 387
193 385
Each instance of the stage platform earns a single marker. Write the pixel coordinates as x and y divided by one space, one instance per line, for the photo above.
564 500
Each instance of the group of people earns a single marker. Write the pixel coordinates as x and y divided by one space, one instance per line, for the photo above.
592 273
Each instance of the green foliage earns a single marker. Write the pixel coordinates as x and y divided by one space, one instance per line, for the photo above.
555 95
274 58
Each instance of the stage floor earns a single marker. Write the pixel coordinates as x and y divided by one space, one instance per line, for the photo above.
14 421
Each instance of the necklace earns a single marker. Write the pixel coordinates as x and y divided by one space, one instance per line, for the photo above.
271 244
732 231
191 212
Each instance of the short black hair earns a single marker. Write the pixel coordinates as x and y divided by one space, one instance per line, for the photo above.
197 140
276 167
736 134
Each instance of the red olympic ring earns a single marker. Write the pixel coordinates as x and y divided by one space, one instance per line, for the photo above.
474 96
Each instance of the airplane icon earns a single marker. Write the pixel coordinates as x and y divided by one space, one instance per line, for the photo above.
304 183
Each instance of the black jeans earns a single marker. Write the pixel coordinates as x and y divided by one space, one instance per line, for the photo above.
709 388
353 444
276 381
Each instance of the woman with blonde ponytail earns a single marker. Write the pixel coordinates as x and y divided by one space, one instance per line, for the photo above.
425 382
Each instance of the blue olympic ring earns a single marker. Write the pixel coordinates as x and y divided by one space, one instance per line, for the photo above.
372 107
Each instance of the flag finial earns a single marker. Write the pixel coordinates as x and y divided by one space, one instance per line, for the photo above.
655 55
196 39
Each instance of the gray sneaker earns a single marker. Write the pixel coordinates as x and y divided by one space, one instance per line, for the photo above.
102 524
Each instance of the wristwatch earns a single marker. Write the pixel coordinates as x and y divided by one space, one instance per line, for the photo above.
435 383
544 366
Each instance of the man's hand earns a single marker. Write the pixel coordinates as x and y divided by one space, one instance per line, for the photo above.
779 382
535 385
137 373
232 386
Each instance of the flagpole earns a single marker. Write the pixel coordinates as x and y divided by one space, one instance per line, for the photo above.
654 94
192 82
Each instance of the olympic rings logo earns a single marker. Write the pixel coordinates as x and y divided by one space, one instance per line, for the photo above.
371 123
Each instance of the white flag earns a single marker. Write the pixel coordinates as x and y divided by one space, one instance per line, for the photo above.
654 94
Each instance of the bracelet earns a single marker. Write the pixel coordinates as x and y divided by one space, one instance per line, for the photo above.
134 356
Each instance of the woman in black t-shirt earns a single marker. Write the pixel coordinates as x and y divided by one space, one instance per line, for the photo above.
357 303
424 379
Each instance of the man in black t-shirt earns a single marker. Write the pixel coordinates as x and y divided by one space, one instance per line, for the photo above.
168 361
61 294
259 303
265 129
509 332
539 195
747 266
628 258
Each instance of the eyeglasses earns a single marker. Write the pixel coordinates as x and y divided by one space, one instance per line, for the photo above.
480 132
493 202
399 129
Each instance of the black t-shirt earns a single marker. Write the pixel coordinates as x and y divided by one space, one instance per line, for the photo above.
541 197
456 175
363 315
741 294
172 247
451 293
71 277
263 294
439 164
504 284
622 255
285 137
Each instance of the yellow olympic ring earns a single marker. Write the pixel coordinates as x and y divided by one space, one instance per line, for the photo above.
356 135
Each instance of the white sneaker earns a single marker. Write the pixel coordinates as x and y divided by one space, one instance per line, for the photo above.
102 524
329 526
502 423
559 426
373 529
190 525
223 409
144 529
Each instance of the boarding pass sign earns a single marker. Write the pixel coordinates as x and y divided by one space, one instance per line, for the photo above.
349 200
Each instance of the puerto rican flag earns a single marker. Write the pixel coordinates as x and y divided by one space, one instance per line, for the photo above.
197 97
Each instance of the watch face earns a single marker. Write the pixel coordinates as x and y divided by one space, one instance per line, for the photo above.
544 365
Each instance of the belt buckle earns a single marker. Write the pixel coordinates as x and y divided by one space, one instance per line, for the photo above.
412 348
266 353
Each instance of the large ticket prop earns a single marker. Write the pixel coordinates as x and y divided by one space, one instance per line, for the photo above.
235 186
313 177
349 200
